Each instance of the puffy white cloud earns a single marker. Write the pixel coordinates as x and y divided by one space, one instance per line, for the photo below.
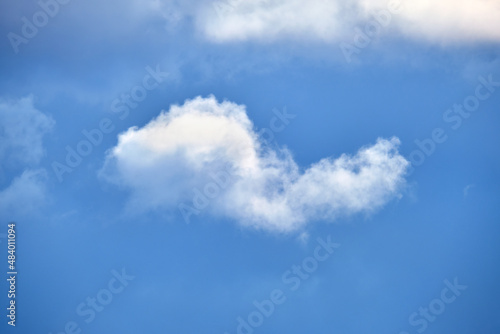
22 128
206 155
445 21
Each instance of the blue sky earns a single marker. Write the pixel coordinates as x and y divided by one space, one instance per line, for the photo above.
236 170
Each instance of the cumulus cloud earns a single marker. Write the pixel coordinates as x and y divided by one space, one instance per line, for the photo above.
445 21
22 128
206 151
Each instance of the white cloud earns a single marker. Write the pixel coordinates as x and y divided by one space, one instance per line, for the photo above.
22 128
179 154
269 20
467 188
451 21
445 21
25 194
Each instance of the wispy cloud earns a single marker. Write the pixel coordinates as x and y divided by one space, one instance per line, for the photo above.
468 188
24 195
22 128
170 159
